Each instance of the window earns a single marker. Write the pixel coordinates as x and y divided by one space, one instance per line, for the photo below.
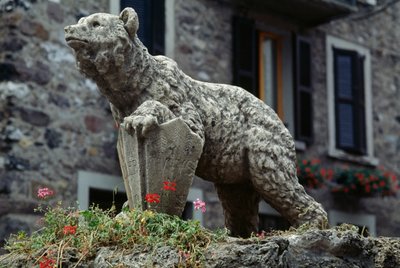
270 71
100 189
152 22
365 222
189 213
270 219
275 66
104 190
349 101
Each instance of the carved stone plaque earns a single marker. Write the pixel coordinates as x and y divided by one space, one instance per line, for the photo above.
168 153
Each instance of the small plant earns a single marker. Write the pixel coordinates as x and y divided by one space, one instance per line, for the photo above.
69 232
311 175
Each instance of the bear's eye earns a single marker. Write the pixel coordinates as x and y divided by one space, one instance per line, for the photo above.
96 24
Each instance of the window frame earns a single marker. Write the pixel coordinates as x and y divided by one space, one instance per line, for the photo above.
368 220
333 151
89 179
262 35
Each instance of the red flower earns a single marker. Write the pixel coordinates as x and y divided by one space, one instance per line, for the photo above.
305 162
308 170
46 263
169 186
152 198
69 229
382 183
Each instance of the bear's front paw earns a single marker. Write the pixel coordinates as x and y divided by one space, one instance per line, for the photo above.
139 124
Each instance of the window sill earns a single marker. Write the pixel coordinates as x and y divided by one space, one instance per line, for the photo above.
300 145
363 160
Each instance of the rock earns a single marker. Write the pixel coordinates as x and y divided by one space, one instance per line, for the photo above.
42 73
55 12
59 100
313 248
57 53
53 138
12 89
33 117
110 150
12 133
39 73
94 124
7 71
12 44
16 163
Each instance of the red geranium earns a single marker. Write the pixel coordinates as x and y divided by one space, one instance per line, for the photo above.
152 198
46 263
169 186
69 229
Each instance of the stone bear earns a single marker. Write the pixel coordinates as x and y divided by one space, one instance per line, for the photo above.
247 151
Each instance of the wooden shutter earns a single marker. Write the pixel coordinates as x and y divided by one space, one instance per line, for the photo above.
303 90
151 30
245 56
349 101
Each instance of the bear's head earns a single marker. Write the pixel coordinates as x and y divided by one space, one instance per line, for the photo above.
101 40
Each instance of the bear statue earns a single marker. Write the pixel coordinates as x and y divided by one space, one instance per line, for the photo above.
247 151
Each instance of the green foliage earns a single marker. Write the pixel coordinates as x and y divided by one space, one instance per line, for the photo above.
84 231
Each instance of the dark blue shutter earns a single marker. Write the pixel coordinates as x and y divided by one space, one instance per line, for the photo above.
151 15
349 101
303 90
158 29
245 54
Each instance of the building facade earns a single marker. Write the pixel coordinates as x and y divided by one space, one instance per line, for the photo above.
330 69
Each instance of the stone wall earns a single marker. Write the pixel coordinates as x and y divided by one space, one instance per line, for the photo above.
203 34
379 34
53 121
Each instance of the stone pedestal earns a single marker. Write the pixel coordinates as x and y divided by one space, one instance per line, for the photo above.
168 153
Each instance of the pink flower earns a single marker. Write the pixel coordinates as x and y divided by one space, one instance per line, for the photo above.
199 204
43 193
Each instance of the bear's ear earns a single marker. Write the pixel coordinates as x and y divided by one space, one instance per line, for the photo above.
131 21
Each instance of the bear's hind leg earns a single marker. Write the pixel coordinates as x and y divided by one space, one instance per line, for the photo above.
273 174
240 204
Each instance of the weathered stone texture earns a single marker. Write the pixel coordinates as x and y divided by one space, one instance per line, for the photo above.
245 148
203 40
328 248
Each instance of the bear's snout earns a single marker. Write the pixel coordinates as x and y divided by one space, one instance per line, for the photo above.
68 29
75 37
